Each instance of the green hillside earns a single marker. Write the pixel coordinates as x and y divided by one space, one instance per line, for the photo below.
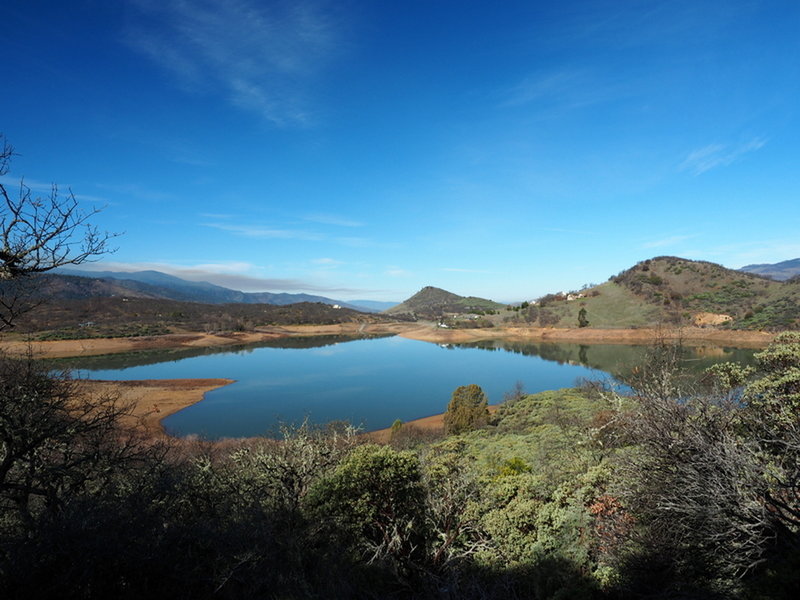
676 291
432 302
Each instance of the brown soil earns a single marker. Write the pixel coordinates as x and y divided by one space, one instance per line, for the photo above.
98 346
707 318
433 423
419 331
151 400
687 335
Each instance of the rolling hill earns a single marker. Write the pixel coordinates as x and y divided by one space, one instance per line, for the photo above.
77 307
676 291
432 302
127 316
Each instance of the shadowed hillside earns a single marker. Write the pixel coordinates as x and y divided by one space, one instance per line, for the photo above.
126 316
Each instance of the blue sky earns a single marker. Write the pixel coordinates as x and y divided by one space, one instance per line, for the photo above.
364 149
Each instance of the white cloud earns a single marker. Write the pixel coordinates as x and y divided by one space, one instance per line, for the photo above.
260 55
13 186
566 89
257 231
287 233
718 155
456 270
327 219
393 271
134 190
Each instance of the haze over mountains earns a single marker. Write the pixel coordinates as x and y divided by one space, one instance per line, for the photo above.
161 285
780 271
664 289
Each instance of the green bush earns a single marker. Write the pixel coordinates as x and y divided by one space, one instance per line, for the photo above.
468 409
374 501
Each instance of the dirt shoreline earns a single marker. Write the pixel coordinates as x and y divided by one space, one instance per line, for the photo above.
427 332
153 400
691 336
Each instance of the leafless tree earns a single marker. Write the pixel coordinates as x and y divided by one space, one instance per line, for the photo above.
694 484
38 234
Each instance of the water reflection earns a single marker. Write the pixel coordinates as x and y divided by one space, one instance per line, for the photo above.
370 382
126 360
615 359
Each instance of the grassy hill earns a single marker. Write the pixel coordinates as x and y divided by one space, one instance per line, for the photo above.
675 291
432 302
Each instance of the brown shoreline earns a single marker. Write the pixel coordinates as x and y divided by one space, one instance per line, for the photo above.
427 332
432 423
688 335
152 400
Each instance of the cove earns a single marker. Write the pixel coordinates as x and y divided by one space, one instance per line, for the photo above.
369 382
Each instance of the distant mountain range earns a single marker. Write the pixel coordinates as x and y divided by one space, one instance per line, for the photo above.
780 271
155 284
662 290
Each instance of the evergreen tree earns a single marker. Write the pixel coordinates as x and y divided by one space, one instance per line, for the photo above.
468 409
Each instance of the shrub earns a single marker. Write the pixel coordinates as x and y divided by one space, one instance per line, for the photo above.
468 409
374 499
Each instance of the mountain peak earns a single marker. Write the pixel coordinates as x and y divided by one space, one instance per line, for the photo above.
432 301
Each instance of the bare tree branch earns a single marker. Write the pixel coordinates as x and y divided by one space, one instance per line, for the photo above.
38 235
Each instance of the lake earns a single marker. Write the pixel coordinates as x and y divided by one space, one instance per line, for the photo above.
369 382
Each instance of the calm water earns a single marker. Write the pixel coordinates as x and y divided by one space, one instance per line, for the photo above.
370 382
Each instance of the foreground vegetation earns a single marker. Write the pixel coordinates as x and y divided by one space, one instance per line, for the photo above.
685 488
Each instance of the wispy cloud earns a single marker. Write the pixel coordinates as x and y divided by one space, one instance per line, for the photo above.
356 242
565 89
257 231
393 271
260 55
669 241
136 191
718 155
16 182
41 188
456 270
327 262
288 233
216 216
327 219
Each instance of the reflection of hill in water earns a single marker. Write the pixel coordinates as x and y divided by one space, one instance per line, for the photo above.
150 357
616 359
